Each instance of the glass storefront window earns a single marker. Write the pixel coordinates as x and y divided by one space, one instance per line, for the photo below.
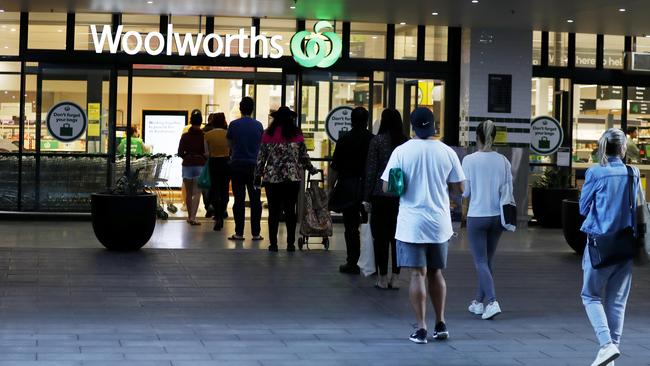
223 26
413 93
542 97
585 50
595 109
9 33
435 43
46 31
406 42
638 116
558 48
83 39
282 27
537 48
613 52
142 24
367 40
642 44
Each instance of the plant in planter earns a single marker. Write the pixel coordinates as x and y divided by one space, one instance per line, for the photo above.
548 193
124 218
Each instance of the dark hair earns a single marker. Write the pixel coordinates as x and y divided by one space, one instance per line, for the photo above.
196 118
246 106
287 123
483 128
218 120
631 130
132 131
359 118
391 124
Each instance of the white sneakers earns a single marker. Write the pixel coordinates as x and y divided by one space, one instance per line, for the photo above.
493 309
487 312
476 308
606 355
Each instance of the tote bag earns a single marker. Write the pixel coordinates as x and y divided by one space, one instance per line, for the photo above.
643 225
507 202
204 177
366 261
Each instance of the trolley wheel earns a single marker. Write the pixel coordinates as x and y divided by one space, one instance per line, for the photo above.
301 243
326 243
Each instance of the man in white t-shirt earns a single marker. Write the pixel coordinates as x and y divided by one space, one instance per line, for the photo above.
430 169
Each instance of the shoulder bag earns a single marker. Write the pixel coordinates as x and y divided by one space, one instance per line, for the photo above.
507 202
643 224
610 249
396 184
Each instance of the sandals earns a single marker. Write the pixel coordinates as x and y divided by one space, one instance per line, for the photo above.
193 222
258 238
236 237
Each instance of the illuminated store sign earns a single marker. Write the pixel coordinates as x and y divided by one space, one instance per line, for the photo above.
321 48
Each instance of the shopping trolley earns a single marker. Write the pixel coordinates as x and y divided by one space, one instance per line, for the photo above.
316 219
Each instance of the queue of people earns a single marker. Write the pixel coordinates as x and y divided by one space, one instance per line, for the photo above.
412 227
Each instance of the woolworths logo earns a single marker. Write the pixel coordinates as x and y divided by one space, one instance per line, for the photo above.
310 49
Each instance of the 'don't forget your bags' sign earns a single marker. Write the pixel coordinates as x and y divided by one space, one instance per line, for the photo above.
66 122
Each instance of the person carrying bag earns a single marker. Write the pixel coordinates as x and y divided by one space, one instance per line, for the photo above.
608 204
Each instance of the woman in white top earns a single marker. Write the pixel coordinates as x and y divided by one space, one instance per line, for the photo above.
486 171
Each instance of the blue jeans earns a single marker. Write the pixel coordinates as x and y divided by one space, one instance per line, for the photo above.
484 234
607 313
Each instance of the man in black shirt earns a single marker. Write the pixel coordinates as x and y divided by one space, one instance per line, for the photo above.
348 170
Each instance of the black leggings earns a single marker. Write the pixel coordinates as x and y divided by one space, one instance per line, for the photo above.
282 197
220 179
383 223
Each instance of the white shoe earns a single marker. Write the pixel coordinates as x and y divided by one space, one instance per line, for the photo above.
476 308
606 355
491 310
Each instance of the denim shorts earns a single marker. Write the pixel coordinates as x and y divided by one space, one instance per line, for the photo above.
192 172
419 255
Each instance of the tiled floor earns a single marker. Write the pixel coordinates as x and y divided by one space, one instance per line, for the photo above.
65 301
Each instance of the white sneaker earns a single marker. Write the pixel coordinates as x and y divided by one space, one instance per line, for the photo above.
476 308
491 310
606 355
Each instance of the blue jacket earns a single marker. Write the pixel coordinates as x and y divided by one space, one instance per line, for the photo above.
605 199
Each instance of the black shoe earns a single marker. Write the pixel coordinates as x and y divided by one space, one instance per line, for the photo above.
291 248
419 336
209 213
349 269
224 215
440 331
273 248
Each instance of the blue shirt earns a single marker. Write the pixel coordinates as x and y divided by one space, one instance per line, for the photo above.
605 198
245 136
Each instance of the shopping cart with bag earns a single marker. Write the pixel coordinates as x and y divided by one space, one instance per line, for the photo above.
316 220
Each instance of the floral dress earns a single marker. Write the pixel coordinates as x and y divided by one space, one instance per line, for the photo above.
281 160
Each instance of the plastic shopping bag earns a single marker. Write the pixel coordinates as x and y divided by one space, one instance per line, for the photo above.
367 258
204 178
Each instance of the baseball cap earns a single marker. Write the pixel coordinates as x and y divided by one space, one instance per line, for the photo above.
422 122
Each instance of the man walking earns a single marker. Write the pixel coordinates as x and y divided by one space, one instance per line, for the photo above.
430 170
245 136
348 170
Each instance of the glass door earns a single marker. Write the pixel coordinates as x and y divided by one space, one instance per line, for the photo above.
412 93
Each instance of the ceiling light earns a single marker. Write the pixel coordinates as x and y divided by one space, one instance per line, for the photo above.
150 2
647 36
2 10
434 13
402 23
13 29
60 30
569 21
374 37
474 1
292 7
622 10
6 47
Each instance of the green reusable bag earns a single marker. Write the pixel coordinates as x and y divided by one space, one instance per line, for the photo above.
396 184
204 178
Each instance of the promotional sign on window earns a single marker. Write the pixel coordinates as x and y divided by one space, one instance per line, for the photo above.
66 122
162 130
338 121
546 135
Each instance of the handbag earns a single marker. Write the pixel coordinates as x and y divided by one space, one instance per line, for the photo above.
643 223
204 178
507 202
366 261
396 184
609 249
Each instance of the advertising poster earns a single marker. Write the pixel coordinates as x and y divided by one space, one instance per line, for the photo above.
162 130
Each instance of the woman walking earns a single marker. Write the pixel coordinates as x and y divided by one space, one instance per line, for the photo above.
192 149
486 172
216 144
280 167
608 205
384 206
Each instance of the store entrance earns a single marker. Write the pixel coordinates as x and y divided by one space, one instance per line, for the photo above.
412 93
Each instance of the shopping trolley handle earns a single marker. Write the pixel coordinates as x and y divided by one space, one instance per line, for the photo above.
318 171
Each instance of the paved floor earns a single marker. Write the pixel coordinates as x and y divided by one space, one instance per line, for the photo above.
65 301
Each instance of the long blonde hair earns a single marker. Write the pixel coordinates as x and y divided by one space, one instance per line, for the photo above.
485 134
612 143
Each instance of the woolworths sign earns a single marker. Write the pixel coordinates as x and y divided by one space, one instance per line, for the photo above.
320 48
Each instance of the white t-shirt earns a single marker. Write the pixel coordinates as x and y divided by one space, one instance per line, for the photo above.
485 172
424 213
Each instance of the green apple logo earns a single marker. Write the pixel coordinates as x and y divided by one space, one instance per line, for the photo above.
313 52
